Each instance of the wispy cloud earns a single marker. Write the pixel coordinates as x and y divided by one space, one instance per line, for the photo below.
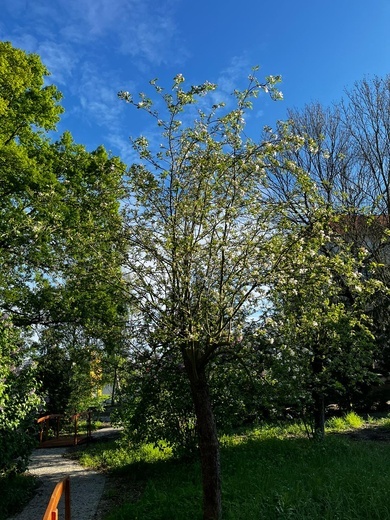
99 106
60 58
229 79
234 74
92 47
98 96
142 29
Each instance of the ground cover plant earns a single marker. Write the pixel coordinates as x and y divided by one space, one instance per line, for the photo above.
269 472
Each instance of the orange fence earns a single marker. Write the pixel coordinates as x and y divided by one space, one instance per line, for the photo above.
51 512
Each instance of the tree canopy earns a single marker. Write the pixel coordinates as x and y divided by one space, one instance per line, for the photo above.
222 278
59 235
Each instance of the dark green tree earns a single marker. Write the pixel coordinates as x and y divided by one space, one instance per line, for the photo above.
28 109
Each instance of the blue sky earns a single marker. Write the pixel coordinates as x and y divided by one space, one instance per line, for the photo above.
96 48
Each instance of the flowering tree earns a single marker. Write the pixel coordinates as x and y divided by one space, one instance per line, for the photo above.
345 152
323 344
203 239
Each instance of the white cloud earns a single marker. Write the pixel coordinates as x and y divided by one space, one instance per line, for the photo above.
234 74
229 79
91 46
142 29
122 147
97 95
60 59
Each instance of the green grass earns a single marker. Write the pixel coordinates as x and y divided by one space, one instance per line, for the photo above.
271 473
67 428
110 455
15 492
349 421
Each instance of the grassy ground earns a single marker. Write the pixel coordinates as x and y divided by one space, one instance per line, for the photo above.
270 473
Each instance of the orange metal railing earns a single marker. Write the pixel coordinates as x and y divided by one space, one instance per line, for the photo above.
51 512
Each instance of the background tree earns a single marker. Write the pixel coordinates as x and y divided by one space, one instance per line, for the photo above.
323 346
346 155
365 115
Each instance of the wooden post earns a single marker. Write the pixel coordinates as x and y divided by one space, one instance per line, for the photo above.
75 428
51 512
67 499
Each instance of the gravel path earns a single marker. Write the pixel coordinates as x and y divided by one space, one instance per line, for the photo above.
86 486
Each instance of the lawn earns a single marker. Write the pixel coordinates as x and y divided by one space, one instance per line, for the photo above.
271 473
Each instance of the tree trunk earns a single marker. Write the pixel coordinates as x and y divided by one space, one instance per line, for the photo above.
319 415
113 393
208 446
317 394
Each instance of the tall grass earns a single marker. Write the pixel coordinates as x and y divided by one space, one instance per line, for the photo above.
267 473
348 421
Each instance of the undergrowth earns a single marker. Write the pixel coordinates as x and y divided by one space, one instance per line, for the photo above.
15 491
348 421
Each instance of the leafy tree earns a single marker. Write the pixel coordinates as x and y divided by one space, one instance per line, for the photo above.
59 221
19 400
78 249
202 242
79 296
346 155
54 370
155 403
69 368
28 109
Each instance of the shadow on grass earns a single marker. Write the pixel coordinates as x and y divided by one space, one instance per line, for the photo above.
379 433
265 478
15 492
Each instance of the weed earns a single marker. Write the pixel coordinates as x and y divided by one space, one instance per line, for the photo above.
348 421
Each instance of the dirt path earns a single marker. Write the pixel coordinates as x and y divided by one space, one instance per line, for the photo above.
86 486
